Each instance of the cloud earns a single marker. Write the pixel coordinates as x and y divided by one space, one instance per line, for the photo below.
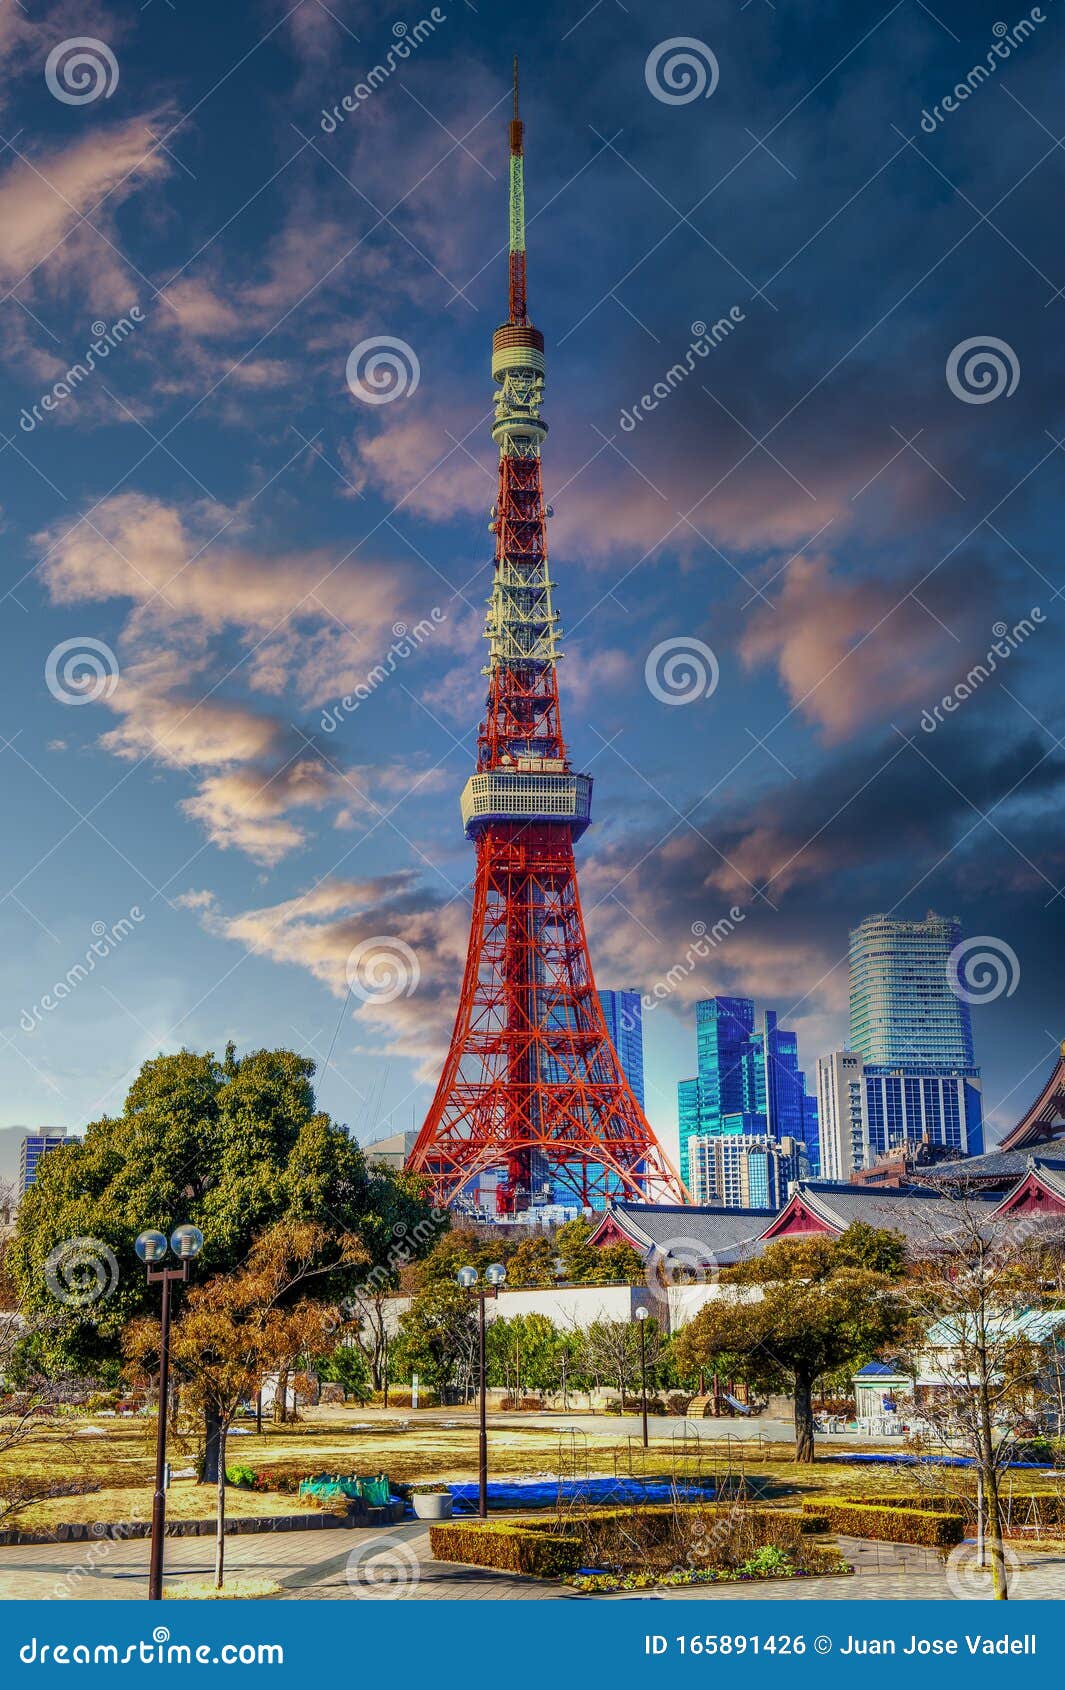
319 930
312 621
851 650
310 627
42 199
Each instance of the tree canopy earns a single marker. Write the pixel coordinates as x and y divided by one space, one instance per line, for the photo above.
810 1311
234 1147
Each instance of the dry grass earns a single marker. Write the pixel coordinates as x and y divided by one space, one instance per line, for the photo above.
239 1589
406 1446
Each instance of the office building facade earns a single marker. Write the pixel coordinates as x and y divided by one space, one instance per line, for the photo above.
911 1048
744 1170
903 1010
32 1148
749 1083
623 1013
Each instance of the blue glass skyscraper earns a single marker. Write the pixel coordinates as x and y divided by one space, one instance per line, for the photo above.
748 1082
623 1012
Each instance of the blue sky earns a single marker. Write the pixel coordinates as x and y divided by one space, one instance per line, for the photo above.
842 525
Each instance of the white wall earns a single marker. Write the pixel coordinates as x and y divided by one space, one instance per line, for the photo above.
576 1307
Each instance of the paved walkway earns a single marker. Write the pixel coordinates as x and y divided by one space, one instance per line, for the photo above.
356 1565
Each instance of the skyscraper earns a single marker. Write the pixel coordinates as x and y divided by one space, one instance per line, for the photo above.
748 1083
902 1008
623 1014
909 1073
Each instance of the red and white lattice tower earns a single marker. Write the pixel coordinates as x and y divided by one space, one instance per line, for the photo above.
532 1086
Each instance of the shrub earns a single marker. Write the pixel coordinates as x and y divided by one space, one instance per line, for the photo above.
243 1476
510 1548
400 1398
890 1524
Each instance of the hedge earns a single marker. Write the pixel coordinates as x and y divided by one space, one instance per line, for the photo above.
541 1548
891 1525
508 1548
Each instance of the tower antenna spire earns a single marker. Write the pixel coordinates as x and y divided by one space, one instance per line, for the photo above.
518 312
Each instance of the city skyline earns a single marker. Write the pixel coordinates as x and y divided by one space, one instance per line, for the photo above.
281 578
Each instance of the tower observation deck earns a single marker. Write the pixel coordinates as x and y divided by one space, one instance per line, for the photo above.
531 1088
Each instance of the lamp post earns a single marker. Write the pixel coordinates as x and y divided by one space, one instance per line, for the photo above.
559 1269
641 1321
468 1279
186 1243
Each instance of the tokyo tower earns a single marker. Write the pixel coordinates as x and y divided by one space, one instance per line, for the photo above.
532 1087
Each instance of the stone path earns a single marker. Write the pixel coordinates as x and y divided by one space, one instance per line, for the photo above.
395 1563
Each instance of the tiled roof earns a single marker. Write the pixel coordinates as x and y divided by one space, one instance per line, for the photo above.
686 1228
907 1212
1006 1166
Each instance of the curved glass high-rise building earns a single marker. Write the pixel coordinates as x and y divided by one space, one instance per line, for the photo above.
902 1007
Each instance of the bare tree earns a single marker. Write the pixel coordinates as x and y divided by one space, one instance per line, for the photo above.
980 1289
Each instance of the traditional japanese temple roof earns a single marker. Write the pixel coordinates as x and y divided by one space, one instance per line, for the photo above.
1045 1120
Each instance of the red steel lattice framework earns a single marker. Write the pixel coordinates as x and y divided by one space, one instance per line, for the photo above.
532 1086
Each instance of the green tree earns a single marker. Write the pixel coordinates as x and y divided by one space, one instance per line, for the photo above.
347 1366
234 1147
807 1311
458 1248
437 1339
525 1353
533 1263
873 1247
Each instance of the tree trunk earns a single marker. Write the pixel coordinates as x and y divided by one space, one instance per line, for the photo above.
211 1434
220 1534
281 1397
804 1417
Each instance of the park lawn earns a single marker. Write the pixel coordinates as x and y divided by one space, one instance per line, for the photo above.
120 1461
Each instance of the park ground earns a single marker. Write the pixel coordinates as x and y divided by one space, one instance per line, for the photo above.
116 1458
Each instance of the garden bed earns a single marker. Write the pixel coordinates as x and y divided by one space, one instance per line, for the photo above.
637 1547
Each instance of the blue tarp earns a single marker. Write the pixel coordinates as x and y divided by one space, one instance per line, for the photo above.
545 1493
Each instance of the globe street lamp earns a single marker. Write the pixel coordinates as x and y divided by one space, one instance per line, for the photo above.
186 1243
468 1281
641 1321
